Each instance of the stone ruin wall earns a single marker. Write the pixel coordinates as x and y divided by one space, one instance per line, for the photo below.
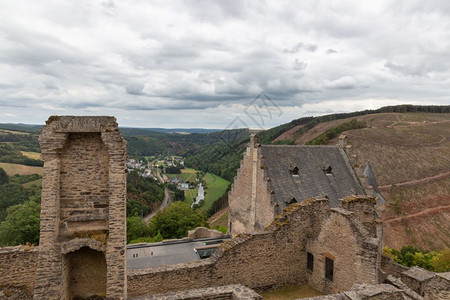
84 186
83 217
251 205
277 257
265 208
265 260
240 196
18 267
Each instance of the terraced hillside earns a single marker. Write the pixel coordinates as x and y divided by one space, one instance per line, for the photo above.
410 156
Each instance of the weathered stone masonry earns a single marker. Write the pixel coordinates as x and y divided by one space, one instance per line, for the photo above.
18 267
83 217
278 256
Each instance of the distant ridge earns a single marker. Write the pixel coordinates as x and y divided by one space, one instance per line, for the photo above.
128 130
175 130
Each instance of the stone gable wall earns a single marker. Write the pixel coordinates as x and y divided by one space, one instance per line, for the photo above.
239 199
264 204
251 206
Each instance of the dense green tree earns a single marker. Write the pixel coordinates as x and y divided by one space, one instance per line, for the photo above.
21 179
21 224
175 221
3 177
441 262
173 170
144 194
11 194
411 256
136 208
136 228
10 154
178 195
325 137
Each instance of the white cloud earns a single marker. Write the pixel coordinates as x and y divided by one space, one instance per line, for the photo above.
172 63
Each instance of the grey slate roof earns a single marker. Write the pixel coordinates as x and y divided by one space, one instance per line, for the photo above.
372 182
312 179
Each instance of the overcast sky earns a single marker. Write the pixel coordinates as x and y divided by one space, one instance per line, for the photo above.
202 63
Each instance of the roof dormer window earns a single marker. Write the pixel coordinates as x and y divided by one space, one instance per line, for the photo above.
293 200
327 169
293 169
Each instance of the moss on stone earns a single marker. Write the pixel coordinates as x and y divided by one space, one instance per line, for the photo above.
359 199
51 119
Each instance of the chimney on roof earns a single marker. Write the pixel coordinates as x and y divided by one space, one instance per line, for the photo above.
343 140
253 139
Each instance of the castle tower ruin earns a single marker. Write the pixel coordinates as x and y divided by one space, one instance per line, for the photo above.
83 210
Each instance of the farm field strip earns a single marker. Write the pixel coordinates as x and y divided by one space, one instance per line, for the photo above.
33 155
13 169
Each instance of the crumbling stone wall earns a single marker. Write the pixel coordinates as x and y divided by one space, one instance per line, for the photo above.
348 240
203 232
277 257
83 204
18 267
417 281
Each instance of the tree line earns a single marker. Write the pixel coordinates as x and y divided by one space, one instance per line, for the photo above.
19 210
10 154
430 260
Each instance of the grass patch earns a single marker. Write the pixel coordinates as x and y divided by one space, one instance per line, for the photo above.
186 174
33 155
215 187
291 292
13 169
160 163
37 182
221 221
190 195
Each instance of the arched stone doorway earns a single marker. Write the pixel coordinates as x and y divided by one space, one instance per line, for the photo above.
86 274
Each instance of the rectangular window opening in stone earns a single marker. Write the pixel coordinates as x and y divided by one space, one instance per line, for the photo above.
310 262
86 274
329 268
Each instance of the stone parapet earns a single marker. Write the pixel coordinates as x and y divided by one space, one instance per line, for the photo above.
18 267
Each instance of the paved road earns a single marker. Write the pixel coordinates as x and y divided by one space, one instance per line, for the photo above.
166 202
167 197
